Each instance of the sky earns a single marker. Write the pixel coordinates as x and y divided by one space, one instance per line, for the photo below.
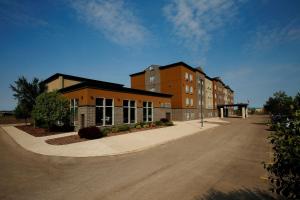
253 45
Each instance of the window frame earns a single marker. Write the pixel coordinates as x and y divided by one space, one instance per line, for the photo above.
129 111
104 111
147 111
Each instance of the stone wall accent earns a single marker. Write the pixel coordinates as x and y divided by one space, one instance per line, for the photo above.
161 113
118 115
89 113
153 70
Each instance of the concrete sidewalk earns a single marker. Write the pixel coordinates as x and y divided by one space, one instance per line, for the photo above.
108 146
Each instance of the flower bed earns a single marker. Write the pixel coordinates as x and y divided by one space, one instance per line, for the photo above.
110 131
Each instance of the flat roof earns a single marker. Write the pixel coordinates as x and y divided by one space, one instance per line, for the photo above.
231 105
94 85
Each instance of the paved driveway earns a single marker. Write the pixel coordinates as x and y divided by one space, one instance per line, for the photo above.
220 163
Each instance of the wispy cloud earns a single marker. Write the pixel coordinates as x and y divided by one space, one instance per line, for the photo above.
268 36
16 12
195 20
113 18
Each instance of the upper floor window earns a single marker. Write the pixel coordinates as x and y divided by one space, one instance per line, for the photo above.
187 101
191 77
186 89
152 78
191 102
150 68
186 76
191 90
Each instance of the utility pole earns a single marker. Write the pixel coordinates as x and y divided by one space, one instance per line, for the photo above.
201 93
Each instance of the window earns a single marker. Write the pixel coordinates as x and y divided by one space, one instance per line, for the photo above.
152 78
191 90
74 110
191 102
191 77
186 76
147 111
186 89
187 115
129 111
150 68
152 89
104 112
186 101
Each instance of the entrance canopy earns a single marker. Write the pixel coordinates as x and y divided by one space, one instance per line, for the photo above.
223 109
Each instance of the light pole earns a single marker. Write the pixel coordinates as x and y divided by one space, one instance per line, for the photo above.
201 94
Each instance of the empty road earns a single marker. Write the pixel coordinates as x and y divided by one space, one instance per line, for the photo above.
220 163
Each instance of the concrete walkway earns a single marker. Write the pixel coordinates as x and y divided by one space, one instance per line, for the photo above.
108 146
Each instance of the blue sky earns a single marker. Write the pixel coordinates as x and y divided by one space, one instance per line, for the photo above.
253 45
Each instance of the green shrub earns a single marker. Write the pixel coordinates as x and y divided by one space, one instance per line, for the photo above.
169 123
159 123
92 132
146 126
284 172
138 126
114 129
106 131
124 127
164 120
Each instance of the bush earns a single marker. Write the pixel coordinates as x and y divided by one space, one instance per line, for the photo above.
164 120
159 123
138 126
124 127
169 124
285 173
105 131
114 129
92 132
146 126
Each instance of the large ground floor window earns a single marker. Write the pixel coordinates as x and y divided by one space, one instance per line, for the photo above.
104 112
129 111
147 111
74 111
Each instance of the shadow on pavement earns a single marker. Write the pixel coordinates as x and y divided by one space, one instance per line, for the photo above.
241 194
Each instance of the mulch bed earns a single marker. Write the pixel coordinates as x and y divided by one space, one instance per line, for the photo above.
36 132
75 138
11 120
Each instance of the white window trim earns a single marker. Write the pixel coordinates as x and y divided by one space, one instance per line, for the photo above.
147 114
186 76
104 110
129 110
75 106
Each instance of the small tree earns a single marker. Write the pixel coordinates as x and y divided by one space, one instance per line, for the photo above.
51 108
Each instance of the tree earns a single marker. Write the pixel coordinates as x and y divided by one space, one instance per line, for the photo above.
279 104
26 92
297 101
22 112
51 108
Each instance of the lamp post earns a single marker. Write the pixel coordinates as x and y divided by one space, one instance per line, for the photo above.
201 94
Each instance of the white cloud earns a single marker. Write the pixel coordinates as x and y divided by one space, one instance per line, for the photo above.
113 19
269 36
195 20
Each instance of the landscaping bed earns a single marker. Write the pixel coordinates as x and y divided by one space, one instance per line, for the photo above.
40 132
11 120
106 132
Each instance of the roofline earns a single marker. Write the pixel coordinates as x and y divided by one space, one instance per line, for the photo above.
77 78
171 65
108 88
